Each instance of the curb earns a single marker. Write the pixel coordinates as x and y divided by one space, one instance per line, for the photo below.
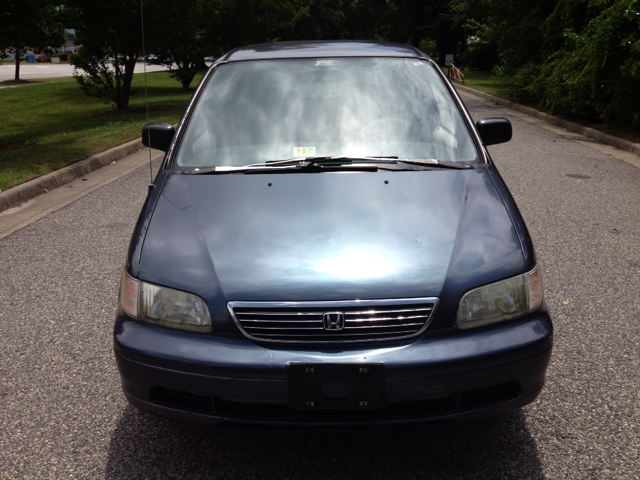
591 133
26 191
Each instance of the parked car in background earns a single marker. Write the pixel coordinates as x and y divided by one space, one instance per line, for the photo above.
328 242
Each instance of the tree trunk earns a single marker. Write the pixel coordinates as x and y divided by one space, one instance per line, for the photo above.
129 66
17 76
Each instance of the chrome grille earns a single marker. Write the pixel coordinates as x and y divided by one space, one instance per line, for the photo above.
364 320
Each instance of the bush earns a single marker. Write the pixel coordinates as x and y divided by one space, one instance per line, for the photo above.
519 82
111 82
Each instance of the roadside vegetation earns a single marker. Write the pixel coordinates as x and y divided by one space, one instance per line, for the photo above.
579 59
488 82
30 25
485 82
48 126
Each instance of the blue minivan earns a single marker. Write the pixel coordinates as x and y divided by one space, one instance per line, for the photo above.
328 242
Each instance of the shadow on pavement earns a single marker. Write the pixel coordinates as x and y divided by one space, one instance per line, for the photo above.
143 446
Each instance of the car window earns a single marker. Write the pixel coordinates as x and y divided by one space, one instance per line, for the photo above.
270 110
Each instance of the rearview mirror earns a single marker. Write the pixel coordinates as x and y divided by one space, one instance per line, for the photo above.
494 130
158 136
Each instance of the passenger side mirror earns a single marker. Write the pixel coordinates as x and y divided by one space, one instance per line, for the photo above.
158 136
494 130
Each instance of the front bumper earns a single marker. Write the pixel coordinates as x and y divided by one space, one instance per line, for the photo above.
450 376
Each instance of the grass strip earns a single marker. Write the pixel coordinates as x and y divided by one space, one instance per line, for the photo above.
483 82
54 124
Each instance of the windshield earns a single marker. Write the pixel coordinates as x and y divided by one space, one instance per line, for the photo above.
273 110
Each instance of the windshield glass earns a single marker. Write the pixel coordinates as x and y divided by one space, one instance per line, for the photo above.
271 110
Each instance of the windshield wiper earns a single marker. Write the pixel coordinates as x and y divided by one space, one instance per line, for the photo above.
310 162
344 160
432 162
337 160
230 169
292 162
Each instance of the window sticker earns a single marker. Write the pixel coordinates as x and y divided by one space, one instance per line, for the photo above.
304 152
324 63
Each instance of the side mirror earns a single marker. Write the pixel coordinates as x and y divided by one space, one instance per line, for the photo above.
494 130
158 136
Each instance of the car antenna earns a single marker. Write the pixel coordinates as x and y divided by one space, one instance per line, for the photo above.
146 98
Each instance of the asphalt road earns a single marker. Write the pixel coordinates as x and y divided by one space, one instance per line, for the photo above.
32 71
62 414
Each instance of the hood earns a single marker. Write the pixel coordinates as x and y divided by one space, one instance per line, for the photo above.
329 236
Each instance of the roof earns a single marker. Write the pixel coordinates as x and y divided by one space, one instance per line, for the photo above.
315 49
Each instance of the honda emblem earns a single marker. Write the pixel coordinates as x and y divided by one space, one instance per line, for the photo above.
333 321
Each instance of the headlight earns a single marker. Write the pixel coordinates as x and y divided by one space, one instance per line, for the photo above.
163 306
501 301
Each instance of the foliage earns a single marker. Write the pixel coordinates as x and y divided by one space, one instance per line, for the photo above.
518 83
119 39
575 57
578 57
482 45
234 23
98 78
369 19
597 73
29 25
180 43
319 20
413 21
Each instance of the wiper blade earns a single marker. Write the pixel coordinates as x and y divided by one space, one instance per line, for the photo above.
294 162
329 161
228 169
337 160
432 162
428 162
346 159
342 160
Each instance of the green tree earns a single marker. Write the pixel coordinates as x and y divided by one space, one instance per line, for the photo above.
180 42
318 20
370 19
235 23
107 29
597 73
29 25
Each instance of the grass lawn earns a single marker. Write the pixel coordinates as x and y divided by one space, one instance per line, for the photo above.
484 82
51 125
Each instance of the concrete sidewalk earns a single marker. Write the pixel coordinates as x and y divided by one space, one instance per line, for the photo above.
80 181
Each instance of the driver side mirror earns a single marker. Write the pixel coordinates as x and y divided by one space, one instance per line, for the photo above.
494 130
158 136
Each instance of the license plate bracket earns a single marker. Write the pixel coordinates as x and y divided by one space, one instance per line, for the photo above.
336 386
